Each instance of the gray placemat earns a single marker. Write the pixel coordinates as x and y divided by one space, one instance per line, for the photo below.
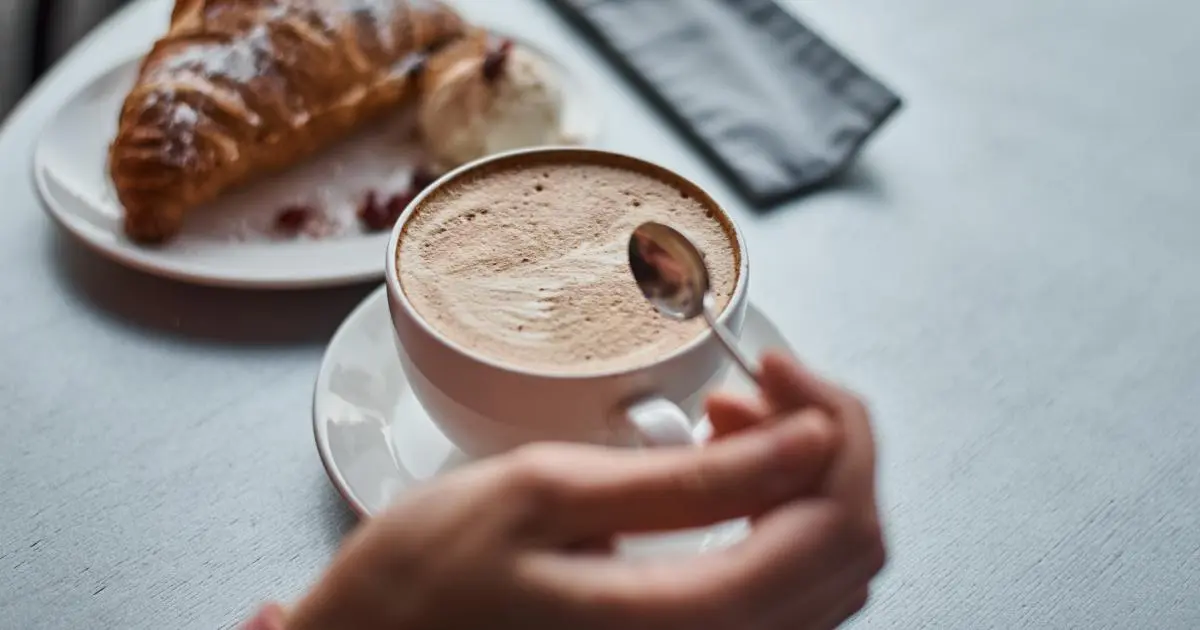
775 108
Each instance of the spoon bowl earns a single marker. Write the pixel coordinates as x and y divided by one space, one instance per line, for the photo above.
669 270
673 276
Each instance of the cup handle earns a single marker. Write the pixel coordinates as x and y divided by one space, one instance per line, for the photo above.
660 422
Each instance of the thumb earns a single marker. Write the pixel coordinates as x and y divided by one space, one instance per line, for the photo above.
598 492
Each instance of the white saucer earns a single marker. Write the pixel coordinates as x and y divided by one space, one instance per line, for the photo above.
376 441
234 242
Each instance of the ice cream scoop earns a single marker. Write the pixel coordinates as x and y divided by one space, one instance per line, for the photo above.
504 99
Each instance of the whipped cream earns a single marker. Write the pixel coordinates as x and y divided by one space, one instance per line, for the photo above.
477 108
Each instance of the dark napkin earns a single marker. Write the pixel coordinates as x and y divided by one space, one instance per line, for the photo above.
775 108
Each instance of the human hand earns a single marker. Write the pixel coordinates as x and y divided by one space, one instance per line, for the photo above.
520 540
836 529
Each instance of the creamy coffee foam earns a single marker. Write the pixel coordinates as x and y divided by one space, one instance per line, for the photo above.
528 265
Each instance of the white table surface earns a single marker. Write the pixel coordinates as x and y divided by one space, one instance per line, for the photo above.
1012 276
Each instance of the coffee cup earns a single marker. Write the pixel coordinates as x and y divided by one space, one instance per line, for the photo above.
488 401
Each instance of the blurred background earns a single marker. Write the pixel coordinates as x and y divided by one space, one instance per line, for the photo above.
39 32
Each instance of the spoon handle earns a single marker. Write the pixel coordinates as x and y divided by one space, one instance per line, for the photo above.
727 339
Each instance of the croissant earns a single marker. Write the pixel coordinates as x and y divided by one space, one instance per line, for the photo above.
238 89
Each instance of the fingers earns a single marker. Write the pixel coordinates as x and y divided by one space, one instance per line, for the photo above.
730 414
583 493
842 609
601 546
836 577
851 606
808 563
787 386
816 539
809 560
852 473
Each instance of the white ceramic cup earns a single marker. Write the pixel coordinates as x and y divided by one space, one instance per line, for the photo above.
486 406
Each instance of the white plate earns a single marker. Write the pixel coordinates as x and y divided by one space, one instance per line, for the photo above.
233 242
375 440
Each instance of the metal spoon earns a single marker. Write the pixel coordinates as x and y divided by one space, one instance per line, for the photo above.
672 275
